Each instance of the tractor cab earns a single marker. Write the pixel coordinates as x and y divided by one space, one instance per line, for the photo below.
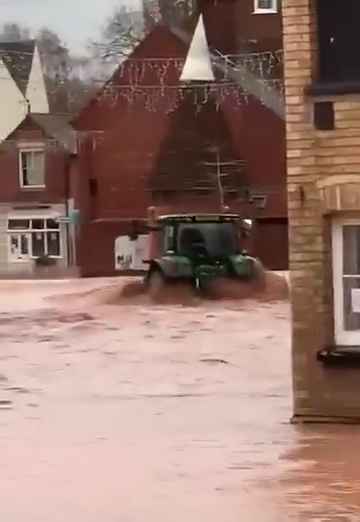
201 235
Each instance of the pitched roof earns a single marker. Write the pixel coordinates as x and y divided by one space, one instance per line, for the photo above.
161 42
18 58
57 126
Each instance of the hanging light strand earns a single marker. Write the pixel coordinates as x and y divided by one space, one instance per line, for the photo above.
154 82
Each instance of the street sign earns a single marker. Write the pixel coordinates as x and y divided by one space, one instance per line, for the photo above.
64 220
75 216
72 219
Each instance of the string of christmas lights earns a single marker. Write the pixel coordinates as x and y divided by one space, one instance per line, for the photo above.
154 82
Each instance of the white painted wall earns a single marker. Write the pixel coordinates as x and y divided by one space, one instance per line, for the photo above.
36 89
13 107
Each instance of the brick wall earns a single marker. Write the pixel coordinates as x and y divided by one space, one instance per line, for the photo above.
315 156
55 173
232 26
123 156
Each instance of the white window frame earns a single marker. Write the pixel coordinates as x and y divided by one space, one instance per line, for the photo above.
29 149
23 258
29 231
271 10
342 337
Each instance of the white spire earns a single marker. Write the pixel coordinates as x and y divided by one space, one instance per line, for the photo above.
198 62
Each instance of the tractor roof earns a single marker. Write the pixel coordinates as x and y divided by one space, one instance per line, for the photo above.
199 218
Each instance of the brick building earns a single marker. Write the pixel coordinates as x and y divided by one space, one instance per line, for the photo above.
35 152
322 74
35 167
133 155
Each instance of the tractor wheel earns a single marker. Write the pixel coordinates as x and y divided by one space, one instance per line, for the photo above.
156 284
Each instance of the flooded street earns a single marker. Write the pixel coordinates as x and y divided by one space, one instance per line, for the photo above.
139 413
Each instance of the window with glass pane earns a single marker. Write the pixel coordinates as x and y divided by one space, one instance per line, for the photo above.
19 246
265 5
169 234
24 244
53 243
19 224
38 244
351 276
42 237
32 164
52 224
14 244
38 223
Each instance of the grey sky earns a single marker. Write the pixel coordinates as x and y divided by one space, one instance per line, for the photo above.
76 21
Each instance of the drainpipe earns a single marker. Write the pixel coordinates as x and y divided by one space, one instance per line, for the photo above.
67 225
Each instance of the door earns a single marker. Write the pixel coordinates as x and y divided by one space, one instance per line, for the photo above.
19 247
346 271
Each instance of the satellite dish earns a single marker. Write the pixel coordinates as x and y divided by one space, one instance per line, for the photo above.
198 67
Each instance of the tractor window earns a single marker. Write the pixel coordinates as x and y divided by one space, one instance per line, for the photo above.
192 241
211 239
169 239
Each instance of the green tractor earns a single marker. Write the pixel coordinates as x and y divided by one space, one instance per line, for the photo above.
198 249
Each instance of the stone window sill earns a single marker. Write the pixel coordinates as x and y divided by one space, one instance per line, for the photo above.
333 88
340 356
265 11
33 188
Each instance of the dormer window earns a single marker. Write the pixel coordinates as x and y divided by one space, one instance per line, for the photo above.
339 39
266 6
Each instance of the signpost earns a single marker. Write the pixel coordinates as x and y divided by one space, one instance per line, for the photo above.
63 220
73 219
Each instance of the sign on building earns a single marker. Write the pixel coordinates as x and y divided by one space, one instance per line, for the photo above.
130 254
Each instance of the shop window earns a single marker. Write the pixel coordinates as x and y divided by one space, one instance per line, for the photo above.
33 238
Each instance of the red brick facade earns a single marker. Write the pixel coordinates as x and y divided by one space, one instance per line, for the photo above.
56 165
122 143
35 168
244 29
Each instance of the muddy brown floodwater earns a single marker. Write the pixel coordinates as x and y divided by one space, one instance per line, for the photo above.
140 413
